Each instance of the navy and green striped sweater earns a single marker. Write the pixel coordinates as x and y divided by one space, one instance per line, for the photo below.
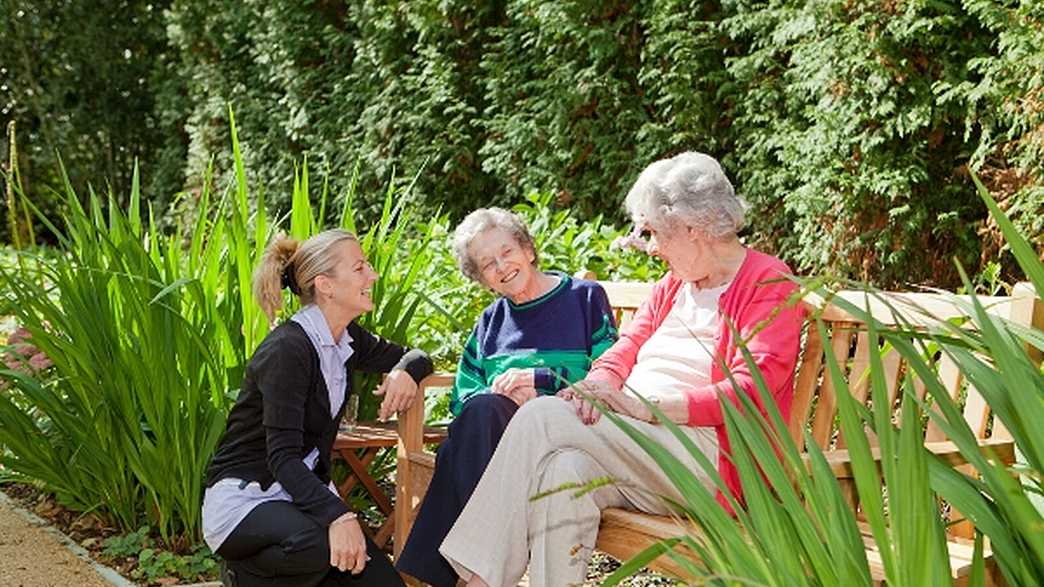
559 334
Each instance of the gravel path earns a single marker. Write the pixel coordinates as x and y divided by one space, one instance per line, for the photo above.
31 557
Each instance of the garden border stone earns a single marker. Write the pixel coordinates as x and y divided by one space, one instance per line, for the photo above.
105 572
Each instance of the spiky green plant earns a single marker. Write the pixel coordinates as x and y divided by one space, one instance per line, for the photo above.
141 350
150 334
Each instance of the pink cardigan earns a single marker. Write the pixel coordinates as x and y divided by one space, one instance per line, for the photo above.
753 306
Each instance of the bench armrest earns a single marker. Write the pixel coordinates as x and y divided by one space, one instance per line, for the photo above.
410 422
413 466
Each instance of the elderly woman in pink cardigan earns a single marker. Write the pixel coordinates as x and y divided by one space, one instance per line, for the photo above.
672 353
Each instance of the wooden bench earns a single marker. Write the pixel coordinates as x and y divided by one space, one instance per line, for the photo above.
624 533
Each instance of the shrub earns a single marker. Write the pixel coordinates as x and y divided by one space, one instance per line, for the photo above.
98 82
850 125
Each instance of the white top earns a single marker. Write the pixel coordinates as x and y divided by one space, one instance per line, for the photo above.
679 354
228 501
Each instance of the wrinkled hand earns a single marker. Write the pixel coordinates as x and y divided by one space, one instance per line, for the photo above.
517 384
347 546
614 399
398 389
582 395
626 404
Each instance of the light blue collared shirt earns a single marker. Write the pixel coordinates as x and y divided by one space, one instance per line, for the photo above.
332 355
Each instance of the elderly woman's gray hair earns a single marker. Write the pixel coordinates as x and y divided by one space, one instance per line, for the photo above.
689 189
479 222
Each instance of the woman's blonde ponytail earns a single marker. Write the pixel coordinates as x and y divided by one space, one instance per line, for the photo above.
268 277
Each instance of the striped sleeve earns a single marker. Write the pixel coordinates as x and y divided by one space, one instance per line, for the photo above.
471 378
603 335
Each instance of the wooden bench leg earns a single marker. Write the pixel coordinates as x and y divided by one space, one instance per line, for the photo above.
359 469
352 480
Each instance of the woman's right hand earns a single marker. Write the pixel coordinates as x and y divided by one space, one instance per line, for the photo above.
586 390
347 544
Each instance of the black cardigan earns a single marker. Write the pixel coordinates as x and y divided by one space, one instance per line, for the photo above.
283 412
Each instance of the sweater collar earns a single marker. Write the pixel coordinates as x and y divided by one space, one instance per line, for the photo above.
563 283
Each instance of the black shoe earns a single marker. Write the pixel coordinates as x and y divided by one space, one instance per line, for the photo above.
228 576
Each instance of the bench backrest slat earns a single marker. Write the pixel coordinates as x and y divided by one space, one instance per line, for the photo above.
625 298
859 375
892 366
976 412
805 385
826 404
950 377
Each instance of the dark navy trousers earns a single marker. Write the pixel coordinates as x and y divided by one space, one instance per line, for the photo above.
461 460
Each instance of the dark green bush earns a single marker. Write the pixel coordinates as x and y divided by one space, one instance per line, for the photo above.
850 125
850 159
95 81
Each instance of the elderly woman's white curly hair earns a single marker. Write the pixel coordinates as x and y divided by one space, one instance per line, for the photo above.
688 189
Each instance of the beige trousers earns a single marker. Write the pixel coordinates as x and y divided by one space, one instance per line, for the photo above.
502 530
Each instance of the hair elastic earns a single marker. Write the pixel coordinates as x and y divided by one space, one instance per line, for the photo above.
288 280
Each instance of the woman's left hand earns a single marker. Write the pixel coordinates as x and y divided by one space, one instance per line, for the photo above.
398 389
347 545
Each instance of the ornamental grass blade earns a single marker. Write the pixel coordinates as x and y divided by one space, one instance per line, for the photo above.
864 468
917 527
829 546
347 221
993 360
640 561
819 494
134 209
697 501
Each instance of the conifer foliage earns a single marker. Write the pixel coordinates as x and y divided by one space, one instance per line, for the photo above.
850 125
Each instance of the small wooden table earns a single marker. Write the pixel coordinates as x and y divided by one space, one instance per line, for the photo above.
358 448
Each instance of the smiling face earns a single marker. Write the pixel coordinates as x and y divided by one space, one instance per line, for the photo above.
349 286
505 266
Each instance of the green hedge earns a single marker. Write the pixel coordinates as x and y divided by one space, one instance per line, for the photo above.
97 81
849 125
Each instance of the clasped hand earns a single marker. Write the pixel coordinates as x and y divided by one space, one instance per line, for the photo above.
584 393
517 384
347 545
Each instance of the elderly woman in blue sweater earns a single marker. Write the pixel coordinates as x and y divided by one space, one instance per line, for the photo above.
540 334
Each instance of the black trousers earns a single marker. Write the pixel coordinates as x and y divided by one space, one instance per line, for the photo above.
461 460
278 545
